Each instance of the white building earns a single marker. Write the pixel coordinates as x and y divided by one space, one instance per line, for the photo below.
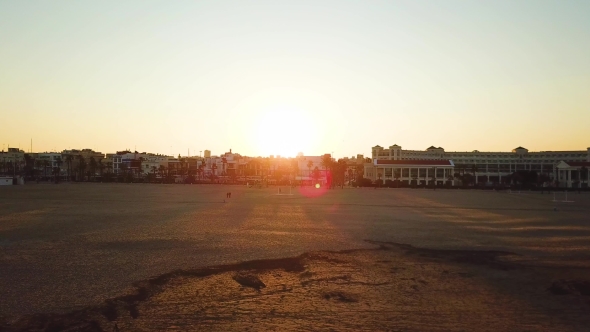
142 163
151 163
222 167
308 166
13 159
48 161
13 154
573 174
6 181
422 172
485 166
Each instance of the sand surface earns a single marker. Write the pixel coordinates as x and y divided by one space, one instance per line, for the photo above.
391 288
71 247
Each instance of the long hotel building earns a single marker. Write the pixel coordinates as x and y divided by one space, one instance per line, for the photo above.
566 168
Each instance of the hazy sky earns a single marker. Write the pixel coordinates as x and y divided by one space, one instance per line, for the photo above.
277 77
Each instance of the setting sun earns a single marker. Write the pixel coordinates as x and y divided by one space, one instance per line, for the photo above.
284 132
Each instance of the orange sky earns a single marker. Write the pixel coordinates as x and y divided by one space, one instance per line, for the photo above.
271 77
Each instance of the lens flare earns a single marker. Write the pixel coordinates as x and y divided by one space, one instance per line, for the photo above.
315 190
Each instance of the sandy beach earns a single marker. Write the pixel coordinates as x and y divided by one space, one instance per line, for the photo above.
156 257
390 288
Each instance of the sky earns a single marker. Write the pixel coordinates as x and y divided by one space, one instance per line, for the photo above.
279 77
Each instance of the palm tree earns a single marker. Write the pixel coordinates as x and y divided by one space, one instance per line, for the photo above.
309 166
450 178
55 172
266 164
69 160
109 167
140 168
223 165
295 167
29 165
109 170
474 169
45 165
124 169
59 162
213 171
180 167
201 170
162 169
349 175
360 172
38 165
100 168
154 169
81 167
340 171
460 174
316 174
93 165
326 163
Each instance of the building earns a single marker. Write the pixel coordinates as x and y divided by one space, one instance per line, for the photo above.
47 162
355 167
414 172
486 167
311 168
123 161
138 163
13 154
87 154
153 163
12 160
573 174
83 163
6 181
220 168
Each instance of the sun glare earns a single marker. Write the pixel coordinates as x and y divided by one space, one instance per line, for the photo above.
285 132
